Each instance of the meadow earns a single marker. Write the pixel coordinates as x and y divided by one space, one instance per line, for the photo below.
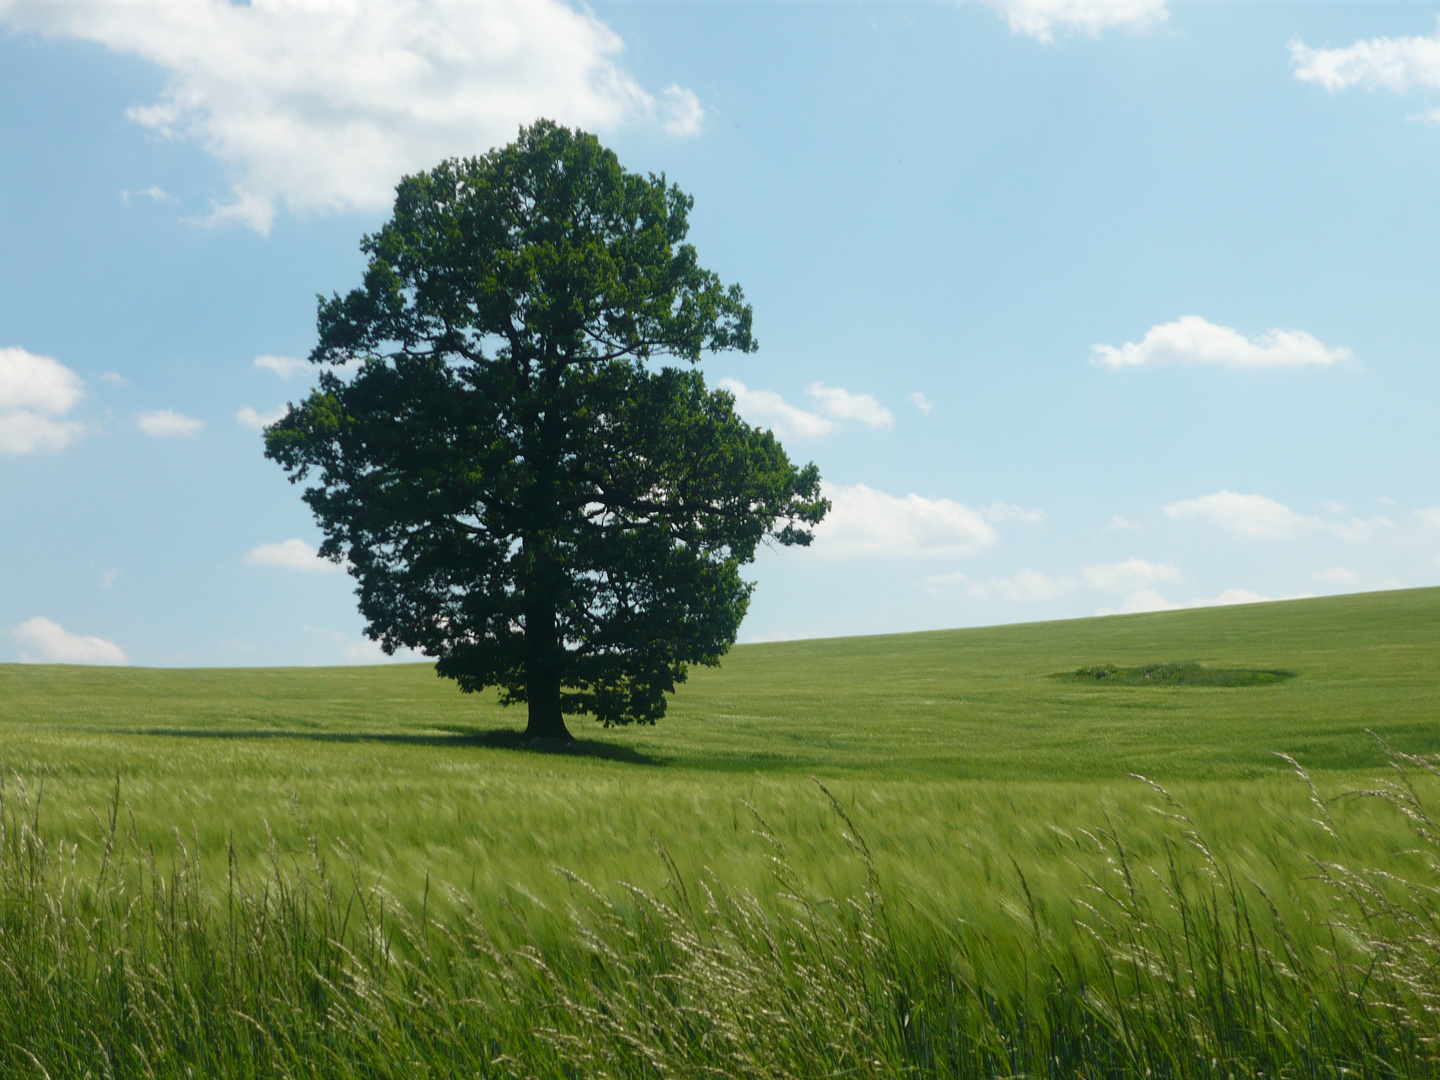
921 854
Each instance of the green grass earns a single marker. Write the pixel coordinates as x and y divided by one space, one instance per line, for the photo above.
983 785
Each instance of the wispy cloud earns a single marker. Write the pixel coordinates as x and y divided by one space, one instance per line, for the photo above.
1042 18
155 193
284 366
1192 340
921 402
258 420
289 555
834 406
1264 517
167 422
998 512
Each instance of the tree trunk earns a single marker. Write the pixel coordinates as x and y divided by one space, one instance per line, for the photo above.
546 719
542 675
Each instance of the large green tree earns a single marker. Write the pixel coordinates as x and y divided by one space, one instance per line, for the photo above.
518 487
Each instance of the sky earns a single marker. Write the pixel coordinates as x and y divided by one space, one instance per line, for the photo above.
1080 306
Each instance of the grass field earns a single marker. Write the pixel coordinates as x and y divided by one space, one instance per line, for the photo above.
983 781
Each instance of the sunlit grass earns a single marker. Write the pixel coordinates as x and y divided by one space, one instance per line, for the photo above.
993 799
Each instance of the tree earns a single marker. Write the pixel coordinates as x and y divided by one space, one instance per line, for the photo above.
518 489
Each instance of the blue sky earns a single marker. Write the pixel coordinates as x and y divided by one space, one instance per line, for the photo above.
1079 305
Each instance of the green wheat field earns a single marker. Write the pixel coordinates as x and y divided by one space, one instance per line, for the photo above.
914 855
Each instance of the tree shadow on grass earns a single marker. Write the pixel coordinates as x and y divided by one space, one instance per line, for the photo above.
458 737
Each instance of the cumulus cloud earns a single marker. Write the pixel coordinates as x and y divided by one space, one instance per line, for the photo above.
1261 516
863 521
1192 340
766 408
289 555
840 404
36 393
1042 18
284 366
44 642
1248 515
834 406
324 104
258 420
1383 63
164 422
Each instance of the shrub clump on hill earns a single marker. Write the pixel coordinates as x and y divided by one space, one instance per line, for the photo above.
1181 673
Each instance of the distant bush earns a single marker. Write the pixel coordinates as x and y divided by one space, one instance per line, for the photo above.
1181 673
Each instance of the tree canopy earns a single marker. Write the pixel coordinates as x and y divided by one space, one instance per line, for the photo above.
518 487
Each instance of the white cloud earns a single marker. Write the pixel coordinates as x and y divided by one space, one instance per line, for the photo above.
1261 516
835 405
112 378
1150 600
324 104
289 555
1128 576
1357 530
1429 116
257 420
1144 600
921 402
680 111
1383 63
1031 585
840 404
863 521
997 512
1192 340
1430 515
1041 18
163 422
937 582
284 366
44 642
1338 575
155 193
766 408
35 394
1249 515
